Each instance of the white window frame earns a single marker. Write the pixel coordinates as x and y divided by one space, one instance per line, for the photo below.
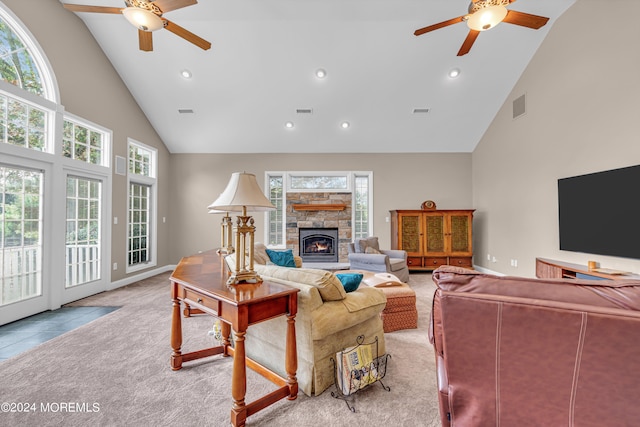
106 140
55 168
151 181
286 186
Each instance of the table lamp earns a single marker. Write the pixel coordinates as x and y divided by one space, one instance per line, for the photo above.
243 193
226 232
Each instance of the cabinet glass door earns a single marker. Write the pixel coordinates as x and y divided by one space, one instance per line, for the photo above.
435 234
460 236
410 233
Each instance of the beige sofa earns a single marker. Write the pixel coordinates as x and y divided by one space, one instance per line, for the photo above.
328 320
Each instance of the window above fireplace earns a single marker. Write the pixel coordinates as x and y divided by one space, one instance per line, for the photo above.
287 185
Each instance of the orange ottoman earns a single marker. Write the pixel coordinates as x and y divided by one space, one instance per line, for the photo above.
400 311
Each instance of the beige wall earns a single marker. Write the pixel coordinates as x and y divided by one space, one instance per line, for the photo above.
401 181
90 88
582 116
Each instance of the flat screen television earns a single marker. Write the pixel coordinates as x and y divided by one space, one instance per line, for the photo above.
599 213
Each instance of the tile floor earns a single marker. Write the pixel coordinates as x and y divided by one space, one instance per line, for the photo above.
26 333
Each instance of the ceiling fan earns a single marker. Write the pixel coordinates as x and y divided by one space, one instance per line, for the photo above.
146 16
484 15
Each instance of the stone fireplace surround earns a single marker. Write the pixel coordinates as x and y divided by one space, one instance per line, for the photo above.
335 214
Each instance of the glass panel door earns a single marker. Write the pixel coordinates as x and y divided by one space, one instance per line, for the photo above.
83 232
20 234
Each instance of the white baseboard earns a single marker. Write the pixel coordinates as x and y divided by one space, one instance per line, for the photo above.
137 277
487 271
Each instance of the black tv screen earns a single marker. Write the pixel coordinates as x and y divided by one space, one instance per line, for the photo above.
599 213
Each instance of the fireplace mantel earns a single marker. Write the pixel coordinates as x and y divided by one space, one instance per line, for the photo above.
320 207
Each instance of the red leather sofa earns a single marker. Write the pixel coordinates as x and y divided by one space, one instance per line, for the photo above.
514 351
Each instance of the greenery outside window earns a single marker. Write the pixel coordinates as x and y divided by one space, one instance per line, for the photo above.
17 66
21 192
22 124
83 231
85 143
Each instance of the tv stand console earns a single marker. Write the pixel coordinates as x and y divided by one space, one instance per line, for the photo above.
552 269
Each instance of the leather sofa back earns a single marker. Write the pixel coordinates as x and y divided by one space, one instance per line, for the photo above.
517 351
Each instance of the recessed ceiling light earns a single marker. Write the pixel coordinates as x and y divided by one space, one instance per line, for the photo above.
185 74
345 125
455 72
289 125
321 73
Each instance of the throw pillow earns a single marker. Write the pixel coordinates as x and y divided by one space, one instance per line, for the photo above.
282 258
350 281
364 243
371 250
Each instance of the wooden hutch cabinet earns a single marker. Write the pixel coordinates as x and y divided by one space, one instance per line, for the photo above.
433 237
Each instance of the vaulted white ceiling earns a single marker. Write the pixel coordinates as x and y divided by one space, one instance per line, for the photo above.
261 69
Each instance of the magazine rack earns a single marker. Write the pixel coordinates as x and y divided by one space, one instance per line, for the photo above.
357 368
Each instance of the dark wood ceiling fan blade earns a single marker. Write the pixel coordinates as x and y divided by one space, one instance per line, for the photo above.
468 42
169 5
187 35
439 25
145 40
525 19
94 9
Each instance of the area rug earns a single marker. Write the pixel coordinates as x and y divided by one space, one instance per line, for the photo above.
115 371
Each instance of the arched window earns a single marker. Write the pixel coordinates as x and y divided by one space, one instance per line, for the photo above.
16 63
21 63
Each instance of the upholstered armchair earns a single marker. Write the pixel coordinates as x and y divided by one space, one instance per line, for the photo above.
365 254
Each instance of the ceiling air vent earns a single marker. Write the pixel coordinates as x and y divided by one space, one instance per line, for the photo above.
519 106
420 110
185 111
304 110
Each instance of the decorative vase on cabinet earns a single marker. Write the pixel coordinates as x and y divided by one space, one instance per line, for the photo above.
433 237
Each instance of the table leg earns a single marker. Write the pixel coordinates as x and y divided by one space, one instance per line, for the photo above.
239 381
176 336
291 357
225 329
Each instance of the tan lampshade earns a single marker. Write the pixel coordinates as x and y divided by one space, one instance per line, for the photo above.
242 191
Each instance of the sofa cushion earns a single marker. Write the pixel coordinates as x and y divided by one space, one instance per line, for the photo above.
361 244
397 264
357 307
350 281
283 258
328 285
260 253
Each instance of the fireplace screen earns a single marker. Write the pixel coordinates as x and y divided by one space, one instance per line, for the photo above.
319 244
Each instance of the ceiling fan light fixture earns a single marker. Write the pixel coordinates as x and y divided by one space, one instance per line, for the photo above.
143 19
486 17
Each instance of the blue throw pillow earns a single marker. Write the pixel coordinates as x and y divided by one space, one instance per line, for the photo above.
350 281
282 258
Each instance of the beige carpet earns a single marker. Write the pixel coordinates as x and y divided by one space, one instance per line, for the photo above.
115 371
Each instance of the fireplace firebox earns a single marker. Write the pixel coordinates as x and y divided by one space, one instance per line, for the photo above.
319 244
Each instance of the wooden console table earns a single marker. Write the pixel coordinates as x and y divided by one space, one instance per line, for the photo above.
200 283
552 269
